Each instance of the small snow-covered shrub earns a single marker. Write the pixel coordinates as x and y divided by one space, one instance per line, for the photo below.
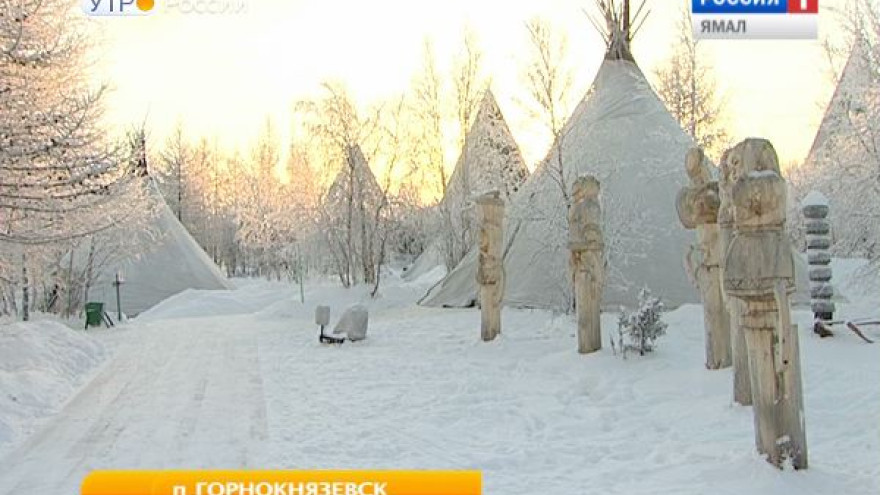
639 330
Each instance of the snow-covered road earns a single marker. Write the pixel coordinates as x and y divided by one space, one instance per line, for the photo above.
185 393
238 380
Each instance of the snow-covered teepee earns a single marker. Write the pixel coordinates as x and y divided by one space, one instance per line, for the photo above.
847 99
845 154
354 181
171 261
490 160
621 133
352 208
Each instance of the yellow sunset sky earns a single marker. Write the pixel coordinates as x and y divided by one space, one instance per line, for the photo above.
222 75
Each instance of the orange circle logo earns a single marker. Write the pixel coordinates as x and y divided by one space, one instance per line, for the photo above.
146 5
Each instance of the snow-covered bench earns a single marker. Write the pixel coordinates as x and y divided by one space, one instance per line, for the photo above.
353 324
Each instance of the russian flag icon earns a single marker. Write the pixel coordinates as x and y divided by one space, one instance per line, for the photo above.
803 6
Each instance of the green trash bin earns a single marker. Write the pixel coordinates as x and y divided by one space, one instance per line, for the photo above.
94 314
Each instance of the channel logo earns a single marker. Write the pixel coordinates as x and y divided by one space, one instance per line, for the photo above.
118 8
756 19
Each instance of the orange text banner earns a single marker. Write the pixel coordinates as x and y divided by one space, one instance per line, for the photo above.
283 483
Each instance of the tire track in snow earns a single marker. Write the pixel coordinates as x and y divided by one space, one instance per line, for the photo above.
176 394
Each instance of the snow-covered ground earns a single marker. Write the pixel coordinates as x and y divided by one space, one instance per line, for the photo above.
41 365
238 379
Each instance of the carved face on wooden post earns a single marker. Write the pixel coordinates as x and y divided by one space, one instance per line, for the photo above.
759 194
760 253
585 215
586 188
491 217
698 203
759 269
729 174
756 155
697 169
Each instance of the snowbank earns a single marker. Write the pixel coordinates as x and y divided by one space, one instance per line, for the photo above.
42 364
200 303
272 300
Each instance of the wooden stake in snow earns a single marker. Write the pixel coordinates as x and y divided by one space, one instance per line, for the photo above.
742 385
490 271
759 270
791 403
698 206
586 245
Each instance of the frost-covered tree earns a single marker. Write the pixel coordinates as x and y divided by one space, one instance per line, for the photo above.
686 83
54 157
304 198
414 225
639 330
125 240
174 159
427 109
344 216
266 225
468 81
389 212
369 210
57 276
350 201
550 81
61 178
844 162
232 175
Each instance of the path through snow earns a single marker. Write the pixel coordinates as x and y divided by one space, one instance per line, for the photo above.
254 389
176 394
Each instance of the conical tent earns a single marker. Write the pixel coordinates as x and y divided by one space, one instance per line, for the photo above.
844 154
427 262
357 177
172 263
489 161
837 121
622 134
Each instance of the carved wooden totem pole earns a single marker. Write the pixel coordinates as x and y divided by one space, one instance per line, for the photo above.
490 270
815 209
742 385
759 270
698 209
586 245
